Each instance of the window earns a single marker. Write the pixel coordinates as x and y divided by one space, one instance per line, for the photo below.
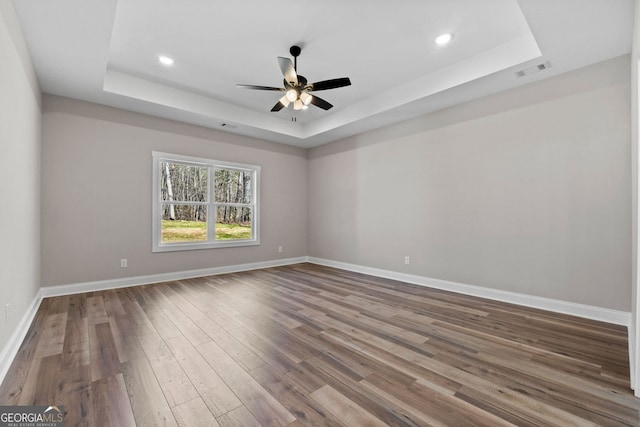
202 203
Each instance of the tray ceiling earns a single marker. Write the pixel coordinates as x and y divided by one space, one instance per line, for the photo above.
106 51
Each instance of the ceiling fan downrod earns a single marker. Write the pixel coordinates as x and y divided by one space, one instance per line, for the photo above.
295 52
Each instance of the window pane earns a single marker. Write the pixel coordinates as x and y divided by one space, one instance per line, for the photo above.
184 223
233 186
233 223
183 183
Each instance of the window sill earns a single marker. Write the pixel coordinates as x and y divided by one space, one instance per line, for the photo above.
173 247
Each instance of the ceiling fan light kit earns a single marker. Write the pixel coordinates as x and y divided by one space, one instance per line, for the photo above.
295 87
306 98
292 95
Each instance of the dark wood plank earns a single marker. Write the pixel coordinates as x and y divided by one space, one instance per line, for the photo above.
74 393
103 352
111 405
52 336
294 399
40 386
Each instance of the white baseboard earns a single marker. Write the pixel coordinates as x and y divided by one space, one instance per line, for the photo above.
632 360
15 341
101 285
586 311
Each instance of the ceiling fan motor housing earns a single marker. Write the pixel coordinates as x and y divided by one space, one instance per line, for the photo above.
302 82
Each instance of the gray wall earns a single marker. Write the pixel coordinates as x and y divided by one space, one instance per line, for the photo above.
20 147
96 193
525 191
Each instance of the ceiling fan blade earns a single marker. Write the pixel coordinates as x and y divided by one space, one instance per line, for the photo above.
288 71
282 103
279 89
279 106
319 102
330 84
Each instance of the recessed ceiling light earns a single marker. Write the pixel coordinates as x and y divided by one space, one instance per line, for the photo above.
165 60
444 39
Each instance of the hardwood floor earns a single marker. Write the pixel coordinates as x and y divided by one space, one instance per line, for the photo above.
310 345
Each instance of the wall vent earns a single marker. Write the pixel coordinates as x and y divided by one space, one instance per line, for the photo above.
534 69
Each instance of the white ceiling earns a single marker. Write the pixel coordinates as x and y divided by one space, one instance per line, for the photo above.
105 51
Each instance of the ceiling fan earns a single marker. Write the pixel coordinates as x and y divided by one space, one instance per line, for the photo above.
296 90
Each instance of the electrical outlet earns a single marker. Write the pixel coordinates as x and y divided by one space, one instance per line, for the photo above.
280 249
123 263
7 308
407 260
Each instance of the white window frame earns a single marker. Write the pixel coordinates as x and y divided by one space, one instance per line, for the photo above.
159 246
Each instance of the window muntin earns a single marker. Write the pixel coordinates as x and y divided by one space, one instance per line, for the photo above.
200 203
